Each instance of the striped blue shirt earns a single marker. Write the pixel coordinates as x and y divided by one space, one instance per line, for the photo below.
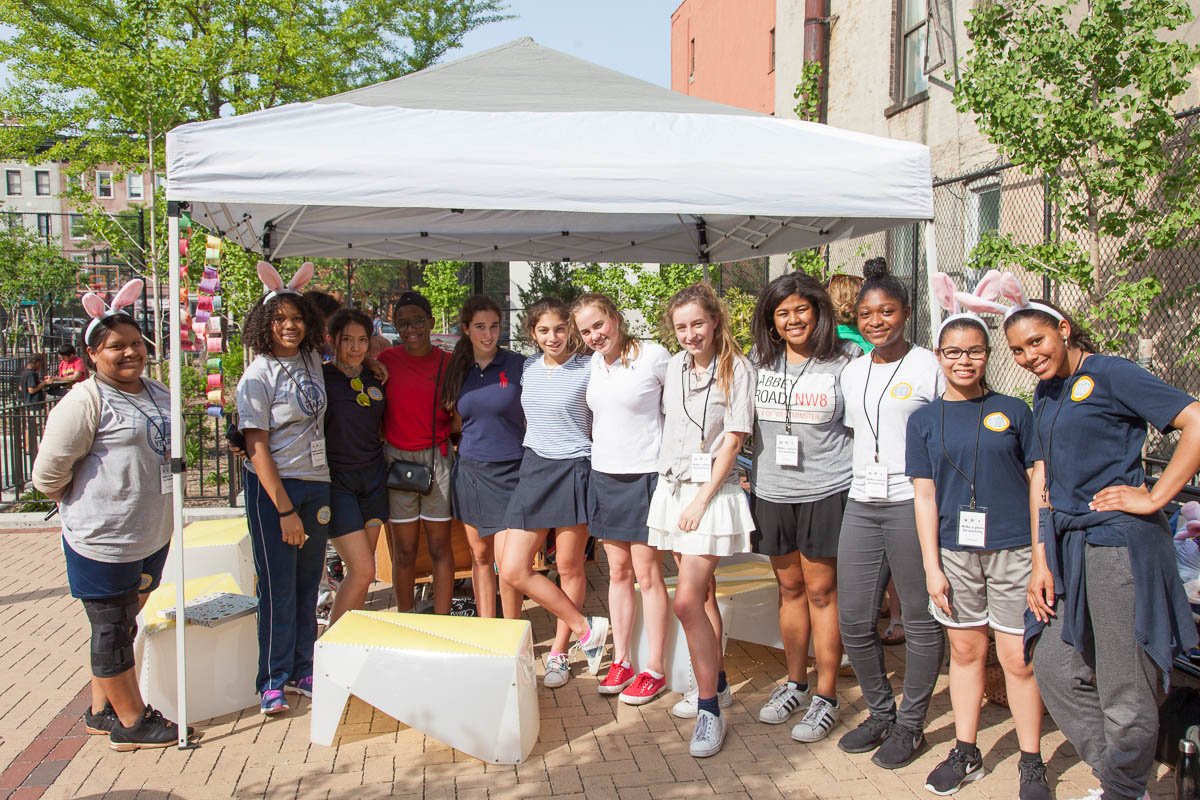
558 422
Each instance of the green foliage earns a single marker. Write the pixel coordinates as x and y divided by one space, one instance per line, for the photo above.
32 269
633 287
741 311
1082 96
808 93
549 279
441 287
32 501
809 261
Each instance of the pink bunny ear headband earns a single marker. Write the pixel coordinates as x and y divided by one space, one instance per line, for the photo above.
98 311
273 281
993 285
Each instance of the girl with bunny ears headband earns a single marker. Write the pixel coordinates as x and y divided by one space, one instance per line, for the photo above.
104 317
257 330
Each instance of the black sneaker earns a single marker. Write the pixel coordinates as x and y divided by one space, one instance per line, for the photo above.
867 736
101 723
151 730
1033 780
958 768
900 748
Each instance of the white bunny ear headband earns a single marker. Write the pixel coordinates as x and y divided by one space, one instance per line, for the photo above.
273 281
99 311
993 285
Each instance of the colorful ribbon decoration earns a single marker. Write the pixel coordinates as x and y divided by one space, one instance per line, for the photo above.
208 326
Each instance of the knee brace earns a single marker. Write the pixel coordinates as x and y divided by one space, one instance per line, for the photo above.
114 626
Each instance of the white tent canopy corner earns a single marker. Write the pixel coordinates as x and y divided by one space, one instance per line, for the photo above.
523 153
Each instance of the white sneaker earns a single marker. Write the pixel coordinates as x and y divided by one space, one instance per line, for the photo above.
784 701
558 671
1096 794
593 647
690 704
708 735
822 715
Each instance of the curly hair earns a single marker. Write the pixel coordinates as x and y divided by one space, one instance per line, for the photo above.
256 330
878 277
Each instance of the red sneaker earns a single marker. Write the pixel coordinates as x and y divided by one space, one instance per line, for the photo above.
619 676
644 689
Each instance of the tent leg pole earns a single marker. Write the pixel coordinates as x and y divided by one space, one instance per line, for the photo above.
177 467
931 265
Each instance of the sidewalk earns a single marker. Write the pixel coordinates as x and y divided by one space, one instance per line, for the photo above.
590 746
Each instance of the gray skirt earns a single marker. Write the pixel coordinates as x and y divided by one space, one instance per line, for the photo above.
619 505
480 491
551 493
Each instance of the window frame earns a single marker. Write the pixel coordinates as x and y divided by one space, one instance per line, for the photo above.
135 179
902 36
100 184
8 183
38 175
72 220
44 225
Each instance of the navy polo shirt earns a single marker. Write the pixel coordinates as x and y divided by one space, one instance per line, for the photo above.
1007 448
353 432
493 424
1094 438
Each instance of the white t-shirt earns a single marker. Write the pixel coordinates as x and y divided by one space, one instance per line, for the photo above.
627 418
895 390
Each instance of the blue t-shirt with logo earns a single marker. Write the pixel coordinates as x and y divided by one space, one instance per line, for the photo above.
1093 434
493 423
1007 448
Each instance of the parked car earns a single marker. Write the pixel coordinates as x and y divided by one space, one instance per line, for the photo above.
68 327
388 331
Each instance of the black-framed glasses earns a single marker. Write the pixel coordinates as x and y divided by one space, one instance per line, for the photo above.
955 353
415 324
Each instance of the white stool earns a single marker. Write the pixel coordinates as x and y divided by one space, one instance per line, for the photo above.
222 650
464 681
216 546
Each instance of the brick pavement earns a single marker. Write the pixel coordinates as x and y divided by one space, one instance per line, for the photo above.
590 746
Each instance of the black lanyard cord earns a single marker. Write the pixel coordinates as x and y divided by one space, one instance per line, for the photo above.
946 453
158 428
685 384
1067 387
300 394
879 404
787 398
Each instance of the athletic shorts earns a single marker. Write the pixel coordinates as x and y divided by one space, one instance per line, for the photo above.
411 506
358 499
811 528
987 587
97 580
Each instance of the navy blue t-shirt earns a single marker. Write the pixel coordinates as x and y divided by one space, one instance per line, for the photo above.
1097 439
490 406
1007 448
353 432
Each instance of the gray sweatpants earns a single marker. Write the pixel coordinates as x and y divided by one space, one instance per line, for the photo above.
1105 701
879 540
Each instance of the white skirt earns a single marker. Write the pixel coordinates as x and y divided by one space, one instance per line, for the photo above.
724 529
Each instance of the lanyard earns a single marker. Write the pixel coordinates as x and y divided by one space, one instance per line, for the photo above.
1067 387
159 429
787 398
301 396
685 384
875 429
946 453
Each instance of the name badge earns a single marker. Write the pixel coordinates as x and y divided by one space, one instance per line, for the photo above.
166 481
877 482
701 468
787 451
317 449
972 526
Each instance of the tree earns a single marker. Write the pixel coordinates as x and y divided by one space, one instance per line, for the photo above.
34 276
445 293
633 287
1082 96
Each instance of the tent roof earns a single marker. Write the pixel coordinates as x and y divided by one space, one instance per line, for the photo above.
523 153
522 75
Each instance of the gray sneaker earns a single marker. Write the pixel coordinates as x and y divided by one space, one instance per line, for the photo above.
558 671
708 735
784 701
687 707
818 721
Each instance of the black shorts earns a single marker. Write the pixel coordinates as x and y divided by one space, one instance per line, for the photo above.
90 579
812 528
357 499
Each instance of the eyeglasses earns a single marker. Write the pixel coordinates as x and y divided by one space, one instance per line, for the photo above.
361 398
955 353
415 324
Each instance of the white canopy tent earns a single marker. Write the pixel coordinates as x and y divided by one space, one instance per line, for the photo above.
523 153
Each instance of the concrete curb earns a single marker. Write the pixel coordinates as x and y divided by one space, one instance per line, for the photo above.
37 520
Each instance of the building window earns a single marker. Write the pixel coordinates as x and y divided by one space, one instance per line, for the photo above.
771 62
43 226
78 226
79 258
104 185
981 214
41 181
133 185
912 36
12 181
691 60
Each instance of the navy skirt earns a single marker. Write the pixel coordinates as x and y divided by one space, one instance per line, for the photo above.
551 493
619 505
480 491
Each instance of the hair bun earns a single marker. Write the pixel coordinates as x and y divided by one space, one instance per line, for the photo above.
875 268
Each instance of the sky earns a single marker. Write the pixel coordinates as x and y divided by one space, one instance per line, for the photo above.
630 36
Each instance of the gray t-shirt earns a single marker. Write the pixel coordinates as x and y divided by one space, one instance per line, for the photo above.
106 448
286 397
809 395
